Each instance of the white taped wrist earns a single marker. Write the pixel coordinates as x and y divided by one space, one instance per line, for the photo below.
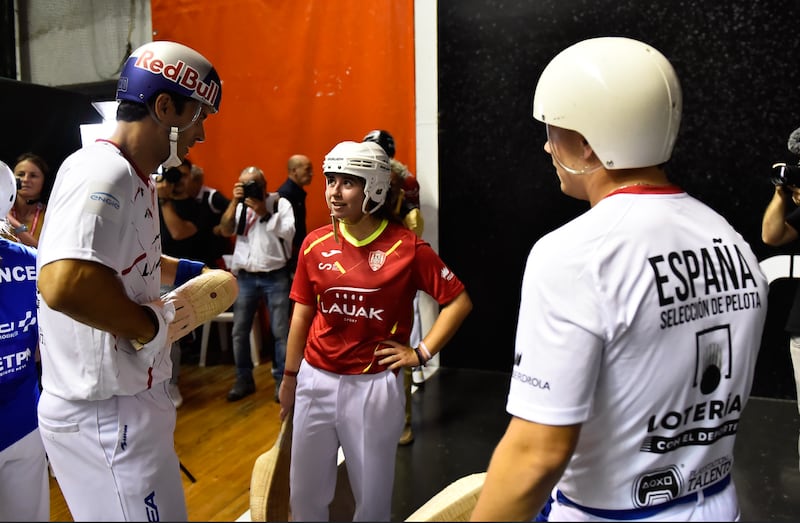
163 312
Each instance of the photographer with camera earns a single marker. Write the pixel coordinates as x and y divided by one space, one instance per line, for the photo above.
187 231
780 226
172 187
264 226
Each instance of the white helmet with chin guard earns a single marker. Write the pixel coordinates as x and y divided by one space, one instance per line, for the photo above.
8 189
366 160
621 94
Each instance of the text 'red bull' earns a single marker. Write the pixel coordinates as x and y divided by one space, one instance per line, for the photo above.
181 74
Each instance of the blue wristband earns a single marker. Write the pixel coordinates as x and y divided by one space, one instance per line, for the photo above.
187 269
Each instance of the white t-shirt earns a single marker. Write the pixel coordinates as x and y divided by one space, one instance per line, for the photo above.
101 210
265 245
642 320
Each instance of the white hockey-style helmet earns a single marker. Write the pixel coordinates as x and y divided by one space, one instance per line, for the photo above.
366 160
8 190
622 95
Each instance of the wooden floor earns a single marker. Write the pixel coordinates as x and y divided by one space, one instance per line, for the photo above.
216 441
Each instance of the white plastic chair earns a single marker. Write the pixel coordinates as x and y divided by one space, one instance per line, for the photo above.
224 337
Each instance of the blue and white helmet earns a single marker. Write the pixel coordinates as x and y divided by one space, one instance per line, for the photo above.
366 160
8 189
169 66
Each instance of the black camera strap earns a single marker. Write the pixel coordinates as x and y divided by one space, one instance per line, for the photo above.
242 223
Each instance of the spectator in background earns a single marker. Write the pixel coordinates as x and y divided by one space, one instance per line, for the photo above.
190 215
408 210
188 227
779 226
24 482
27 215
300 172
212 204
263 224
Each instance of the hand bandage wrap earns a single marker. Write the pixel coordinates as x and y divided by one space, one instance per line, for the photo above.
199 300
163 313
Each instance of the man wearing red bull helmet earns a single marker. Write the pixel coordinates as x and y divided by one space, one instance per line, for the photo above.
639 321
107 419
173 68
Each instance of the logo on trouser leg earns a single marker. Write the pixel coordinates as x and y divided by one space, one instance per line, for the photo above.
150 507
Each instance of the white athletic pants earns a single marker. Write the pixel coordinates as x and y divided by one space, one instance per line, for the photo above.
364 414
794 351
115 459
24 485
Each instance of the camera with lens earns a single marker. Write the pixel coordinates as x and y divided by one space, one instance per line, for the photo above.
172 175
785 175
253 190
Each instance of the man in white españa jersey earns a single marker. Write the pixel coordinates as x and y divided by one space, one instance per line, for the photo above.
105 415
640 320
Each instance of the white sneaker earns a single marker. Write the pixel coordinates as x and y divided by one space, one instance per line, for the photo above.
175 394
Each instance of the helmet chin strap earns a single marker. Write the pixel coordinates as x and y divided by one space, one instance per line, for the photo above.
335 224
174 160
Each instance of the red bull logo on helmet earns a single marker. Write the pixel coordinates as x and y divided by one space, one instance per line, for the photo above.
180 73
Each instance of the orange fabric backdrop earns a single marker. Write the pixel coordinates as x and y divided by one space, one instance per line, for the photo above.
298 76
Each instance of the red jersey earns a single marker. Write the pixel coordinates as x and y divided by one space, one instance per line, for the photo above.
363 292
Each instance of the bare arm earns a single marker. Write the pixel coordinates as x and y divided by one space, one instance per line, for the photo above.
302 315
525 466
92 294
450 318
227 222
26 237
447 322
178 228
774 229
169 268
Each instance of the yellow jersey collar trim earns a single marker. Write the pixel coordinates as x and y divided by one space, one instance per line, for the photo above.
366 241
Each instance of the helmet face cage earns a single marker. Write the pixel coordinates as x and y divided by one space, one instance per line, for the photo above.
169 66
621 94
368 161
8 189
382 138
567 149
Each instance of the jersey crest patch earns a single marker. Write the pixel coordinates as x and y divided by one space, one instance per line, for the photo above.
376 259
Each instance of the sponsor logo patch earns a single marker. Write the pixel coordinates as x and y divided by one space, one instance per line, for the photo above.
658 486
101 201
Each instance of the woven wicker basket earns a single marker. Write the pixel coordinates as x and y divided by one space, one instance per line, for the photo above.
453 503
269 482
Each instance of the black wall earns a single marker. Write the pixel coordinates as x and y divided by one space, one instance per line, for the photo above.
737 62
43 120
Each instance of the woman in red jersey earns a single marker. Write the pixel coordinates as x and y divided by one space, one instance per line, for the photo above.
353 291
